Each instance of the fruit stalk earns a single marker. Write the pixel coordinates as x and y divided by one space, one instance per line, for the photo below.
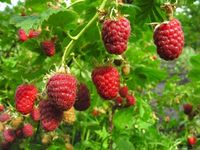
37 132
73 40
111 126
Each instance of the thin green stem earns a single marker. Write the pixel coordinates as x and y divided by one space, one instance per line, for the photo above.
37 132
67 51
73 41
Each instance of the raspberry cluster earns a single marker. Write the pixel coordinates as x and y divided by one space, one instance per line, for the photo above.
125 98
24 37
107 82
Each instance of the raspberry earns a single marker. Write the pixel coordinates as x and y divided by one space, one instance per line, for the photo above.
9 135
123 91
61 90
48 47
19 133
169 39
69 146
130 100
35 114
22 35
16 122
1 108
187 108
126 69
25 97
107 81
46 139
70 116
95 112
28 130
83 98
192 140
1 127
115 35
119 100
5 145
4 117
33 34
50 117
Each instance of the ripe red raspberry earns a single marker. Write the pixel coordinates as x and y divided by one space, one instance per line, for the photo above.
25 97
48 47
33 34
192 140
35 114
22 35
27 130
107 81
169 39
83 98
130 100
61 90
123 91
119 100
1 108
9 135
50 117
187 108
115 35
4 117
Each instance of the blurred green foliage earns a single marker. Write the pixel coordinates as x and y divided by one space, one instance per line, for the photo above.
158 85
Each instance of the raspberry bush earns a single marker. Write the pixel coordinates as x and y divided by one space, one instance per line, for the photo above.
103 74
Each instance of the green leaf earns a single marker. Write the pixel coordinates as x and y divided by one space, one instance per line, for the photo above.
64 19
25 22
6 1
123 143
124 118
152 74
28 22
194 74
195 61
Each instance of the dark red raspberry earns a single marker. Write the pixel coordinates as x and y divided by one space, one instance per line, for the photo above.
22 35
9 135
27 130
25 97
119 100
115 35
107 81
35 114
123 91
187 108
192 140
61 90
130 100
4 117
83 98
169 39
50 117
1 108
48 47
33 34
19 133
4 145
